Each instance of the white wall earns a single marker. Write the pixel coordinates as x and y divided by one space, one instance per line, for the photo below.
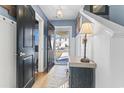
78 45
117 61
108 52
101 55
41 47
109 56
7 53
71 44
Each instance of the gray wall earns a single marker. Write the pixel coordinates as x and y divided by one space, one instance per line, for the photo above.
87 7
65 23
117 14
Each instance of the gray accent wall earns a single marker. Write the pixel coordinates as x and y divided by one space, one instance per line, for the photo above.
116 14
87 7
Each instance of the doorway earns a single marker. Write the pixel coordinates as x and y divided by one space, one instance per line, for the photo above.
62 46
25 46
29 45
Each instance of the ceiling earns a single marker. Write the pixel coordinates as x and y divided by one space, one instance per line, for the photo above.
69 11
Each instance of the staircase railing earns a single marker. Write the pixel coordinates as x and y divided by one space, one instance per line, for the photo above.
113 28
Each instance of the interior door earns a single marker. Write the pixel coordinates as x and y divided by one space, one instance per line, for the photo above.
25 46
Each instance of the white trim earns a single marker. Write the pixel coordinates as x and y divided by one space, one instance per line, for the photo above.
37 17
7 19
41 43
113 29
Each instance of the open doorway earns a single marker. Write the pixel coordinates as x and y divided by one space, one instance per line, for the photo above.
62 47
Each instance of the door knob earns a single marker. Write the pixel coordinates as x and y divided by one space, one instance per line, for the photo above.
22 54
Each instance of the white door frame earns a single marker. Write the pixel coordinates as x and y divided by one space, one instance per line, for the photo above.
40 43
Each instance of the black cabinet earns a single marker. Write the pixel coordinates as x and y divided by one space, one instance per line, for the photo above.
82 77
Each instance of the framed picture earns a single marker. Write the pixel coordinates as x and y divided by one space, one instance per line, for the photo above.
99 9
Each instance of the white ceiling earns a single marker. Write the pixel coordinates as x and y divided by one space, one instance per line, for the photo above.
69 11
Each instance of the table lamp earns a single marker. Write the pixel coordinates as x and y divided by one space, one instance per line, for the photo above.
86 28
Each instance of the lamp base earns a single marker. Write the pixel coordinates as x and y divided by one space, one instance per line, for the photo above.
85 60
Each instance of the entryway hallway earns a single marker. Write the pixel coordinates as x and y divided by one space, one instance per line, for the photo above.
56 78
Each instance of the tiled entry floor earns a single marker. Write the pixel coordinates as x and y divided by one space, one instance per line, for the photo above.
54 79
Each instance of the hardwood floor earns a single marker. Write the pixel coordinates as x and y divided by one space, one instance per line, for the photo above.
41 80
54 79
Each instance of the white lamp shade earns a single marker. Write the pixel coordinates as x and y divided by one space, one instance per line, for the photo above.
86 28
